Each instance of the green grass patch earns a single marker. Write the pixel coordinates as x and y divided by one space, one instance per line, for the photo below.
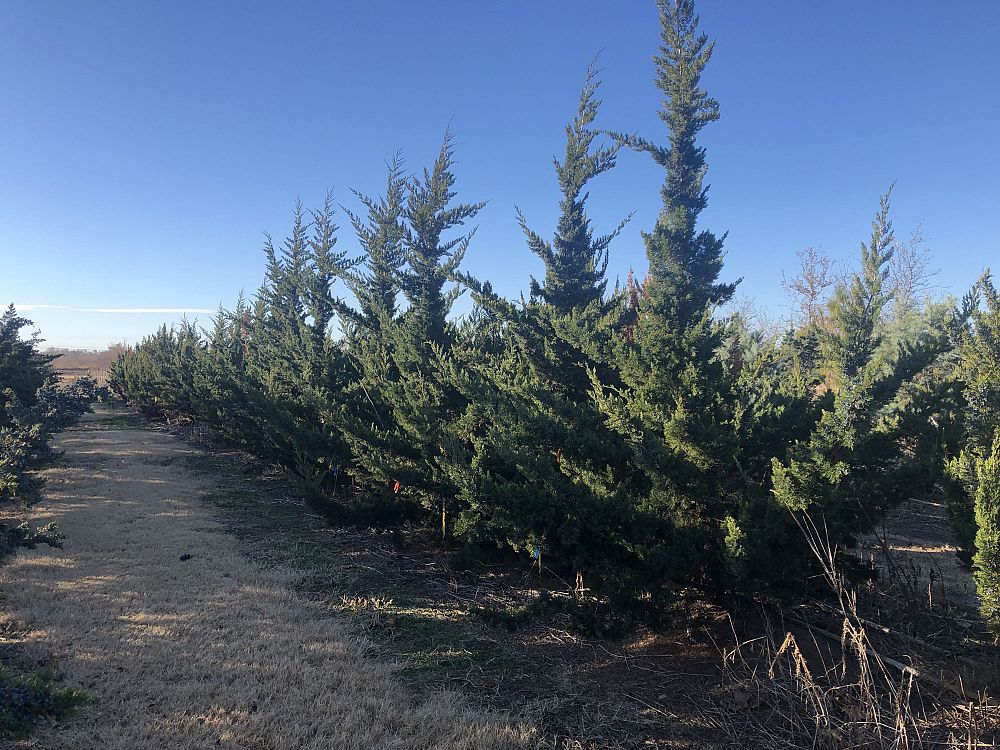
210 463
27 700
123 421
441 659
511 617
432 647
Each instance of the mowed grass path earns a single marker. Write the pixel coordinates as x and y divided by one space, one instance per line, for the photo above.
179 639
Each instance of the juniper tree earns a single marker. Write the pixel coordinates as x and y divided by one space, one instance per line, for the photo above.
861 458
23 372
566 326
32 408
530 456
431 259
857 308
375 284
23 368
976 467
813 475
267 376
381 234
299 364
986 560
403 446
671 406
575 261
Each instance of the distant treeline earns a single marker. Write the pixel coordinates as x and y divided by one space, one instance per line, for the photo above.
640 440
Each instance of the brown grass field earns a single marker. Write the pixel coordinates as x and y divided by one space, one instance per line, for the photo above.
181 640
71 364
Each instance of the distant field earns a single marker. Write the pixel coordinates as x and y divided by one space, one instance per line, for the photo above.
76 363
69 374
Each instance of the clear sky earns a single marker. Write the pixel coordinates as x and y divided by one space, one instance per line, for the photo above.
145 146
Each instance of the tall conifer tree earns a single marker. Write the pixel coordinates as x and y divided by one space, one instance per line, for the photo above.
531 457
403 447
864 453
672 403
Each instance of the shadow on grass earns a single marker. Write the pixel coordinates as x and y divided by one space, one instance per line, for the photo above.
490 632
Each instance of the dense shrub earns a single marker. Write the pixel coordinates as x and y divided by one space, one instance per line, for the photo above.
32 407
24 701
975 495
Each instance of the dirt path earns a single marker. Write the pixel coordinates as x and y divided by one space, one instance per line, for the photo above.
182 643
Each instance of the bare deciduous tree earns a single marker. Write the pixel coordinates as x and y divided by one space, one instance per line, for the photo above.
807 290
910 272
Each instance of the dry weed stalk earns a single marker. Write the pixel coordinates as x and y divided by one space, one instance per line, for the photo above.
858 702
860 699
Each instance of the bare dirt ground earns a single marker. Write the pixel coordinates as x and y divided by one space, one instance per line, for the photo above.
180 639
919 539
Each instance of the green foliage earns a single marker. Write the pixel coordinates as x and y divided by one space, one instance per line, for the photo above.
986 561
23 369
975 469
32 408
575 261
671 404
268 375
533 462
857 306
871 446
25 701
24 537
399 441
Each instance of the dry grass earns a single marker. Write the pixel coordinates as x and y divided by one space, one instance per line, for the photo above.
797 695
849 693
182 643
468 625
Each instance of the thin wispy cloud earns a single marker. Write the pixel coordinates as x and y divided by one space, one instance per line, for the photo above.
120 310
126 310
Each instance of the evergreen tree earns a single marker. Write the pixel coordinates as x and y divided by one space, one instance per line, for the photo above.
23 368
672 405
986 561
381 234
575 261
530 455
297 360
32 409
857 308
403 448
638 437
268 376
862 456
375 285
977 465
23 372
569 324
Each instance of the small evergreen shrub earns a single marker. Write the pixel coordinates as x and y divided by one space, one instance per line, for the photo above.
26 701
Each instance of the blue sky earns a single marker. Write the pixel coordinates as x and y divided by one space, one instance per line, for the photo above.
145 147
